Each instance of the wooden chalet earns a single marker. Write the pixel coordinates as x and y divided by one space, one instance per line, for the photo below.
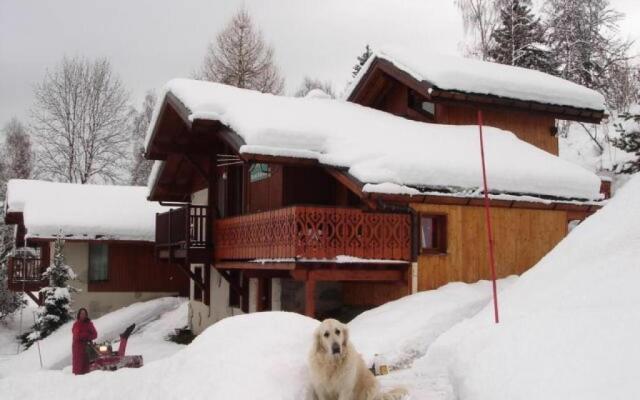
108 233
271 214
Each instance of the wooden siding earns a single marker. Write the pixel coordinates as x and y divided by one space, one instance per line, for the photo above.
265 194
522 238
532 128
132 268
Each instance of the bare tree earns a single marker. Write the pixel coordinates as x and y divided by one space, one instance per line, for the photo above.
139 124
240 57
480 19
80 122
309 84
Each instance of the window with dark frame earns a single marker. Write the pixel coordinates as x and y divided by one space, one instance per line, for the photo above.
98 262
433 234
418 104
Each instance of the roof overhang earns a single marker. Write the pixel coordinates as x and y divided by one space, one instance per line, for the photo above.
381 69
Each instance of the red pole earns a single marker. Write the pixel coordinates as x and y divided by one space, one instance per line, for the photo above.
487 212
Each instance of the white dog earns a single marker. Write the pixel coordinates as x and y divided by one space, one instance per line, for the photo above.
338 372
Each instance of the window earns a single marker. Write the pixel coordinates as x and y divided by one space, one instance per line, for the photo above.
425 108
259 171
433 234
98 262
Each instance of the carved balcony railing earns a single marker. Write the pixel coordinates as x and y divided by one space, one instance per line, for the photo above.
25 273
181 233
309 232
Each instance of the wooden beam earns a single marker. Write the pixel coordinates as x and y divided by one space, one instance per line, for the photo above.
196 279
309 298
36 299
345 275
351 183
245 265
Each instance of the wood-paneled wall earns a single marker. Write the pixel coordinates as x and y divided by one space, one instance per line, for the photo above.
530 127
132 268
521 237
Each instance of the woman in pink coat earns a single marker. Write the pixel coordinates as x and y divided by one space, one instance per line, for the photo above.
83 333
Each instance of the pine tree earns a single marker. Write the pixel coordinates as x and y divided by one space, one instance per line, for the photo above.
629 141
362 59
56 308
583 38
519 40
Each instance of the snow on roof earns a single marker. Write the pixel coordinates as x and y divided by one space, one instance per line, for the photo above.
379 148
486 78
83 212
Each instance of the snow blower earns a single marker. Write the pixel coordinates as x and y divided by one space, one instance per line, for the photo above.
104 359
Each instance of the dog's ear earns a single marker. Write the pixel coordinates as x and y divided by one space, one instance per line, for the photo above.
317 337
345 335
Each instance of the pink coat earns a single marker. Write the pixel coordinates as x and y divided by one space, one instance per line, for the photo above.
83 333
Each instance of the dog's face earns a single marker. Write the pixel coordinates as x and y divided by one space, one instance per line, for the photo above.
332 337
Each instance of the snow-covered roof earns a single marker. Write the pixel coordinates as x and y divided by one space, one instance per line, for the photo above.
84 212
392 154
485 78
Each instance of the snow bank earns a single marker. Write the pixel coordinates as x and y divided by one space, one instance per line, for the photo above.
56 348
254 356
83 211
569 326
379 148
483 77
403 330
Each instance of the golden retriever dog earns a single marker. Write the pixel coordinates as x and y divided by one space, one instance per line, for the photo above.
338 371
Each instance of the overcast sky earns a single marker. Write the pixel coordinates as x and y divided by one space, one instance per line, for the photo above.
151 41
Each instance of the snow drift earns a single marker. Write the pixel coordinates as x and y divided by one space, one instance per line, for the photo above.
569 326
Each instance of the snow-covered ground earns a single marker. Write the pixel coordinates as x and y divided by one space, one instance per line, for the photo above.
13 325
568 329
155 319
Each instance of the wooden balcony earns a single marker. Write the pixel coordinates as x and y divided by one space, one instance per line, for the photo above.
307 233
181 235
25 274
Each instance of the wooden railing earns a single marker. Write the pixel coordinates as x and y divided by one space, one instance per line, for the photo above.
184 227
25 273
307 232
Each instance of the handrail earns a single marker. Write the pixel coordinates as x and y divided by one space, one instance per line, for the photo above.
184 227
310 232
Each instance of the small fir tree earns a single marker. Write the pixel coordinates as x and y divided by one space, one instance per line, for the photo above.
362 58
520 40
55 310
629 141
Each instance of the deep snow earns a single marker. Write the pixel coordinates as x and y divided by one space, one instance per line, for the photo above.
83 211
569 327
484 77
377 147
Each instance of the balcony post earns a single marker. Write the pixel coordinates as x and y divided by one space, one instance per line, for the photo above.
210 220
309 297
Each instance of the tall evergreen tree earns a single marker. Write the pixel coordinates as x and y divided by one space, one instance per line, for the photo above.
56 308
629 141
583 37
362 59
519 40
